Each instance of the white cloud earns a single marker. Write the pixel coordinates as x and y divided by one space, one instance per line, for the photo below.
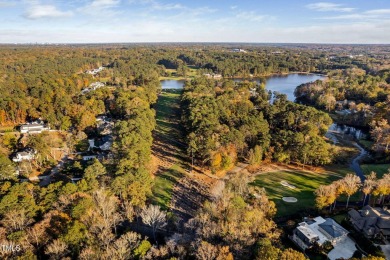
156 5
45 11
159 6
252 16
349 17
104 3
6 4
378 11
329 7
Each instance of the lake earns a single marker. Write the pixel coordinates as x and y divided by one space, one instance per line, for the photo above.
284 84
172 84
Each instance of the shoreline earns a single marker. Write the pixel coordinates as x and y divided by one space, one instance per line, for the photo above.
254 77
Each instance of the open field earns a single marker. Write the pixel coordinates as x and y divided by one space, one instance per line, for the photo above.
191 72
304 181
175 189
380 169
163 186
167 148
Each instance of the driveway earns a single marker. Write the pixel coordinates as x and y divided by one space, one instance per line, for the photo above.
386 250
344 249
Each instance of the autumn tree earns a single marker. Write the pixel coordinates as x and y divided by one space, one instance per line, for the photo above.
291 254
381 134
7 170
350 185
325 196
369 185
57 249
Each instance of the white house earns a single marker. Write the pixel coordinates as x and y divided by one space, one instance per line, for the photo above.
33 128
318 230
27 154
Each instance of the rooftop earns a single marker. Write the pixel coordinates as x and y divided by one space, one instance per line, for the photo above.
333 228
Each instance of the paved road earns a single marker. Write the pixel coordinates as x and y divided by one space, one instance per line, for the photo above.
355 166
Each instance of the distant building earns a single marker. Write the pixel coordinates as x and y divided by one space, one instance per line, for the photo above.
88 157
318 230
370 221
239 50
94 71
213 76
34 127
92 87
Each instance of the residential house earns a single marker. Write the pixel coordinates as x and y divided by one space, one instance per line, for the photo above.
372 222
34 127
92 87
89 156
100 155
318 230
239 50
104 143
213 76
26 154
104 124
94 71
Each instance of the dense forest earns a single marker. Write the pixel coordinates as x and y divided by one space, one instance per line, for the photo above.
227 120
104 207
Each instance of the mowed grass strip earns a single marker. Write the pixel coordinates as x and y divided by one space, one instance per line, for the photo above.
169 130
163 186
305 182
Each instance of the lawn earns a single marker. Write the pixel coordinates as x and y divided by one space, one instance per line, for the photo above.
168 147
163 186
305 183
380 169
192 71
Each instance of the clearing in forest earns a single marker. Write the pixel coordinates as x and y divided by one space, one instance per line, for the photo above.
175 188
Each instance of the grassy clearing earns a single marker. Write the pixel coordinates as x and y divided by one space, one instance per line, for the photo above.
169 132
305 183
163 186
380 169
192 71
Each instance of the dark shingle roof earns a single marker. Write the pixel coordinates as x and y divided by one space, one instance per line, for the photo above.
332 228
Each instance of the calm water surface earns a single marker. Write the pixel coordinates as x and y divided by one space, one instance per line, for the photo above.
284 84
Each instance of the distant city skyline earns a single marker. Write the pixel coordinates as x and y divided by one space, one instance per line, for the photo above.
120 21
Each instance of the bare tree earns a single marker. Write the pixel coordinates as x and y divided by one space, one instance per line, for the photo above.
57 249
15 220
154 217
124 246
206 251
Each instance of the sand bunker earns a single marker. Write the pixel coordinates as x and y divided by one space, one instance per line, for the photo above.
286 184
290 199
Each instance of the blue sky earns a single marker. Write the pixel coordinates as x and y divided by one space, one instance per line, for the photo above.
90 21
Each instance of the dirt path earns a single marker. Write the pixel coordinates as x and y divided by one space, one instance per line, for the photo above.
184 191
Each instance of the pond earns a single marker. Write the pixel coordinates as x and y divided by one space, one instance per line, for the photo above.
284 84
172 84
